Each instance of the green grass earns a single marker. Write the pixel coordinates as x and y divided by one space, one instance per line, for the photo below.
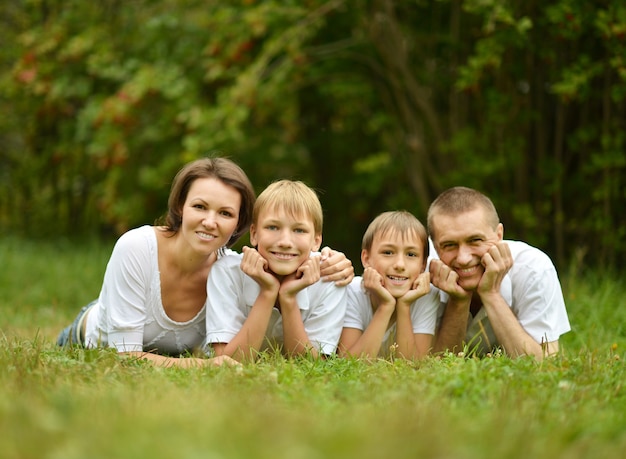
74 404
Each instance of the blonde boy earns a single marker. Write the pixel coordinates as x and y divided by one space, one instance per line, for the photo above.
271 296
392 309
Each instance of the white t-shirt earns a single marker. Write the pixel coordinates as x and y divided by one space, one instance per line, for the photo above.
129 314
533 291
359 314
233 293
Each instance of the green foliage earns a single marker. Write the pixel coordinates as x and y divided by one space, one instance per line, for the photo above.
105 100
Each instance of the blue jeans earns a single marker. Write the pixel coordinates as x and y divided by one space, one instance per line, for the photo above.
72 335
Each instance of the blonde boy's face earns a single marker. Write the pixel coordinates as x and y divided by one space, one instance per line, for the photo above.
283 240
399 260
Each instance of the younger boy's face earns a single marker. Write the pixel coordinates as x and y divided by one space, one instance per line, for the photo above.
284 240
399 260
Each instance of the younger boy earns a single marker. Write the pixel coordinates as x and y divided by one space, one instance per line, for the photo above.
271 296
392 309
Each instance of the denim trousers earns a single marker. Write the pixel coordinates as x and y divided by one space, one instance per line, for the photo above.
72 334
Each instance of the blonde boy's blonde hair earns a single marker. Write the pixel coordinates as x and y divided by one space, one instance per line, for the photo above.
295 198
397 221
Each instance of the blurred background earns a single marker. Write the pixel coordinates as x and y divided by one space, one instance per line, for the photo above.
377 104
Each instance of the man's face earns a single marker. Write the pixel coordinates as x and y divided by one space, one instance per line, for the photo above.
462 240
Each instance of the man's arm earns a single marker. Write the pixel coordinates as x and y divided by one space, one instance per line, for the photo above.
514 340
509 332
453 327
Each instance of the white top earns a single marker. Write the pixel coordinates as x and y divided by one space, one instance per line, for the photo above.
533 291
359 314
233 294
129 314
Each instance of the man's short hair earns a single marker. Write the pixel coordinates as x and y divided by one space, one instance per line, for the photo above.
458 200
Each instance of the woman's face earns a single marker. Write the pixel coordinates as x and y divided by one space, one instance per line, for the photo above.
210 214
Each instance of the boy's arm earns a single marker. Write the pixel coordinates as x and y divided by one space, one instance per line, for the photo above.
248 340
295 338
412 345
354 342
453 327
367 343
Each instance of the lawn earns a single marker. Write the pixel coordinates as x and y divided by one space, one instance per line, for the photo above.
75 404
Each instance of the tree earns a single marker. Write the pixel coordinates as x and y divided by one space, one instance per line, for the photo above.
379 104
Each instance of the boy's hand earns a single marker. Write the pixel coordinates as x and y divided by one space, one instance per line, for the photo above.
444 278
420 287
335 267
307 274
373 283
255 266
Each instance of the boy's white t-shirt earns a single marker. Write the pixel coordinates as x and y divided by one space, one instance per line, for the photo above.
233 293
359 314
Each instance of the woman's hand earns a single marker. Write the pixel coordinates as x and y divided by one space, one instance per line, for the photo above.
335 267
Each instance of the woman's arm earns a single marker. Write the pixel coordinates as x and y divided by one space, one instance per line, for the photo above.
187 362
335 267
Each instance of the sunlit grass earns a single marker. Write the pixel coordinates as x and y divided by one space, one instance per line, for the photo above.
91 403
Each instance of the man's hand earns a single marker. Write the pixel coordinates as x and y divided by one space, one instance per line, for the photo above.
335 267
497 262
444 278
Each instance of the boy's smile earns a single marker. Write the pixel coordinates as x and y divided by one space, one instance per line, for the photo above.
284 240
398 258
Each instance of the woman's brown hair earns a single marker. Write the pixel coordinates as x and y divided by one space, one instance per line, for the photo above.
222 169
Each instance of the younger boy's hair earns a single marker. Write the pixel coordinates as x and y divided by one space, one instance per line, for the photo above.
396 221
295 198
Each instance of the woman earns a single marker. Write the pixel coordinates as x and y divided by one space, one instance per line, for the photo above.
152 301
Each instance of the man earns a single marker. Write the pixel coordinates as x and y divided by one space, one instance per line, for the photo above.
495 293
